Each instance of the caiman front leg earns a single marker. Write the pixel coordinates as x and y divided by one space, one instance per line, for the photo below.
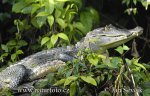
43 70
50 66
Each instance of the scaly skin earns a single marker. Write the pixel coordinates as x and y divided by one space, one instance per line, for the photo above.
39 64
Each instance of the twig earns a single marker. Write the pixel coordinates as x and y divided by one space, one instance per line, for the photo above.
132 78
145 39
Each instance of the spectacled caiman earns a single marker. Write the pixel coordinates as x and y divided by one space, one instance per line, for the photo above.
39 64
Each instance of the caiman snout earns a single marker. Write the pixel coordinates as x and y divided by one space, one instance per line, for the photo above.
108 37
137 31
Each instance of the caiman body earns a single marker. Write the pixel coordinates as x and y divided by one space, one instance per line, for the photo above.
39 64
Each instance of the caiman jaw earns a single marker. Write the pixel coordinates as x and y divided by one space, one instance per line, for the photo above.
121 39
107 37
137 31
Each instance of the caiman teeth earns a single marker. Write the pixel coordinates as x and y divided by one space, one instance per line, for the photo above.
137 34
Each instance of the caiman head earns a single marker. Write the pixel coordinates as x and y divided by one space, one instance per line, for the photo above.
108 37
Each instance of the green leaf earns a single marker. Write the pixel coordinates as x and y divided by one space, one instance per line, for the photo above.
35 7
44 40
93 61
146 92
135 62
50 77
61 22
146 85
124 1
54 39
78 2
79 26
41 21
49 6
22 43
70 16
63 36
127 2
59 6
62 0
87 20
68 73
27 10
89 79
60 82
115 62
42 14
11 43
147 66
34 22
125 47
17 7
70 79
104 93
4 47
13 57
57 13
49 44
145 4
94 14
119 49
30 1
19 52
41 84
73 88
70 27
134 11
3 56
50 20
134 1
102 56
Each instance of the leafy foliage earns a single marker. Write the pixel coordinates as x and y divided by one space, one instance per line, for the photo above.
12 49
5 92
84 78
47 24
131 4
61 16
